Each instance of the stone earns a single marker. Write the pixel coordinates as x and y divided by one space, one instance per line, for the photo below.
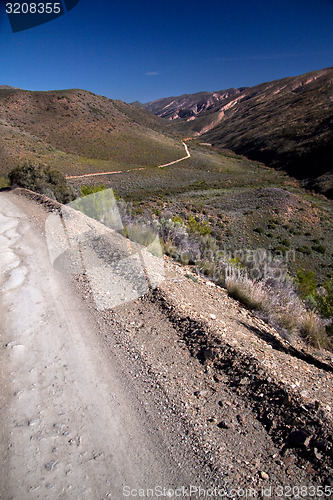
224 424
300 437
51 465
200 393
208 354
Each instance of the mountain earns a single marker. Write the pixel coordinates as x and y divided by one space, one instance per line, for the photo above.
80 132
188 106
286 124
6 87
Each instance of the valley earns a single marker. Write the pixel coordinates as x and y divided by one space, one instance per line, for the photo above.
286 124
223 203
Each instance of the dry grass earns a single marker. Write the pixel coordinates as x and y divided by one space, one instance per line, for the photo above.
313 330
280 306
249 293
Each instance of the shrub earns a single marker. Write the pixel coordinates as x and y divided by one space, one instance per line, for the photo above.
306 250
325 300
280 249
205 268
279 304
4 183
86 190
200 228
285 242
42 180
313 329
177 218
306 282
319 248
246 291
170 250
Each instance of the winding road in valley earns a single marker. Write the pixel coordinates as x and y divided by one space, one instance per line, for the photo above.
188 155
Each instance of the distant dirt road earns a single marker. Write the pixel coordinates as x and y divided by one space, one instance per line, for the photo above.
188 155
71 424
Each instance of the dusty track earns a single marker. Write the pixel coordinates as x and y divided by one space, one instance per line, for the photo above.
72 415
188 155
156 392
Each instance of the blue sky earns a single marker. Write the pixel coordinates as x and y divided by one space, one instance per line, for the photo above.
145 50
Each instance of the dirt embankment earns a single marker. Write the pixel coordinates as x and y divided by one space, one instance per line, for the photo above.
199 390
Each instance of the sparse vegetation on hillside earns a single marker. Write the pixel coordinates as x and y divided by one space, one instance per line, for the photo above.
79 132
259 278
207 209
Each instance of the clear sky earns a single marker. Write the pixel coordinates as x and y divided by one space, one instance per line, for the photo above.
143 50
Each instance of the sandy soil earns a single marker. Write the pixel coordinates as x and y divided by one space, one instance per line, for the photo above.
179 387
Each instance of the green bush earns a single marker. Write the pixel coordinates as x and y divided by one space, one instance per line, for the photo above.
42 180
325 300
4 183
200 228
306 282
285 242
306 250
177 218
319 299
86 190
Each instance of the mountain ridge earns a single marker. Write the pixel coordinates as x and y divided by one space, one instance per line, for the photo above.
191 105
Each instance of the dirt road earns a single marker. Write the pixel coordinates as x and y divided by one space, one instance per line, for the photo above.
179 388
72 424
188 155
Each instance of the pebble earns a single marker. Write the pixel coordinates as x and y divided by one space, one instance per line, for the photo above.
212 316
224 424
200 393
51 465
34 421
264 475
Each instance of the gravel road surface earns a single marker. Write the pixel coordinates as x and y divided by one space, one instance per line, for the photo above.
72 426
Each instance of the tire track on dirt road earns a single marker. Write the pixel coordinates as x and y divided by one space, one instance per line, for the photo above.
72 425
